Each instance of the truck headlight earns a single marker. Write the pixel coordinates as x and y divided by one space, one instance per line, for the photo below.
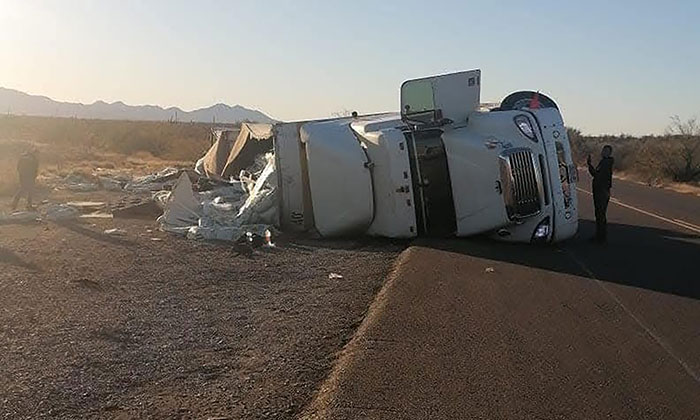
523 124
541 231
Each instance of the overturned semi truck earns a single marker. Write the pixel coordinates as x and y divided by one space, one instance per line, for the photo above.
442 166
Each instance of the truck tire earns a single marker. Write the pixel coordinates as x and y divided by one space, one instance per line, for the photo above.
521 99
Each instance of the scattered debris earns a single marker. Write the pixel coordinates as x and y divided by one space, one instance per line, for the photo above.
57 212
490 270
335 276
87 206
108 180
182 210
228 211
186 203
268 239
75 209
80 183
19 217
97 215
254 240
164 179
115 232
111 184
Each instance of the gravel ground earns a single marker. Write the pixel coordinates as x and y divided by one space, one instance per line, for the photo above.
95 326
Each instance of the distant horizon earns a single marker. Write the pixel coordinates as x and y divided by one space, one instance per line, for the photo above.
131 104
17 102
237 105
620 67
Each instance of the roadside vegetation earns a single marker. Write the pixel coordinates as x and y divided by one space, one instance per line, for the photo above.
670 158
68 145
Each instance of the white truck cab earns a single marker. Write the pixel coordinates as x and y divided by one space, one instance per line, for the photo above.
442 166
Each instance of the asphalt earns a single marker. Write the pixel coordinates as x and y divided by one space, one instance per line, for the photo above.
485 330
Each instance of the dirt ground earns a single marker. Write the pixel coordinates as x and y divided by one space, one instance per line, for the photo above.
153 326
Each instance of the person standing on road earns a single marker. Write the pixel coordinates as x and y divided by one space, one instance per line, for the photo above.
27 169
602 182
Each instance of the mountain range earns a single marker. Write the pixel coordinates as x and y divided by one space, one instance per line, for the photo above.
20 103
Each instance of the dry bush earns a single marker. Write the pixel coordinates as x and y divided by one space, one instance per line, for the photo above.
672 157
683 163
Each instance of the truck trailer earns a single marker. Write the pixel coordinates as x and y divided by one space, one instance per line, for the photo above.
442 166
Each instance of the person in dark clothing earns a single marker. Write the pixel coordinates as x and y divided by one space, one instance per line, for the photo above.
27 169
602 182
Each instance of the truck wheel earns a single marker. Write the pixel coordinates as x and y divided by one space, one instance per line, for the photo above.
521 99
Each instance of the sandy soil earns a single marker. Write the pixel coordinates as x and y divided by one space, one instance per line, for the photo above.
149 325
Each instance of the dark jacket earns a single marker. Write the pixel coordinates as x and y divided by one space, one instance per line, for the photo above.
602 174
28 168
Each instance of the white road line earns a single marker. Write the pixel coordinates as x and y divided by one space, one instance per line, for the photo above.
684 225
689 370
688 224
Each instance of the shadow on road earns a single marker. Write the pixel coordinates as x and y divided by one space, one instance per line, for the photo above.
99 236
656 259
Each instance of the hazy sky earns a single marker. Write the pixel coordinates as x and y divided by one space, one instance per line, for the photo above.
613 66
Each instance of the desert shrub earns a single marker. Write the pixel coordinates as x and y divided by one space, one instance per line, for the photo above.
683 161
672 157
165 140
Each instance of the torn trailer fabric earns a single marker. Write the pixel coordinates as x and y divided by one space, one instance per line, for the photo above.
227 212
228 156
213 162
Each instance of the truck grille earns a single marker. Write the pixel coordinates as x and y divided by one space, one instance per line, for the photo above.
522 185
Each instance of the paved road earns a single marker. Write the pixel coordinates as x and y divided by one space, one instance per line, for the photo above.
476 329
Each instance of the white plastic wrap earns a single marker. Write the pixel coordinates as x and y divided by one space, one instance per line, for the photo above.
223 213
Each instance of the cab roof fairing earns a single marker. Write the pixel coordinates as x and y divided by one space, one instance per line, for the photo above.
339 178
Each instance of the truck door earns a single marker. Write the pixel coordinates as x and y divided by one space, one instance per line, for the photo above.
431 183
426 105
